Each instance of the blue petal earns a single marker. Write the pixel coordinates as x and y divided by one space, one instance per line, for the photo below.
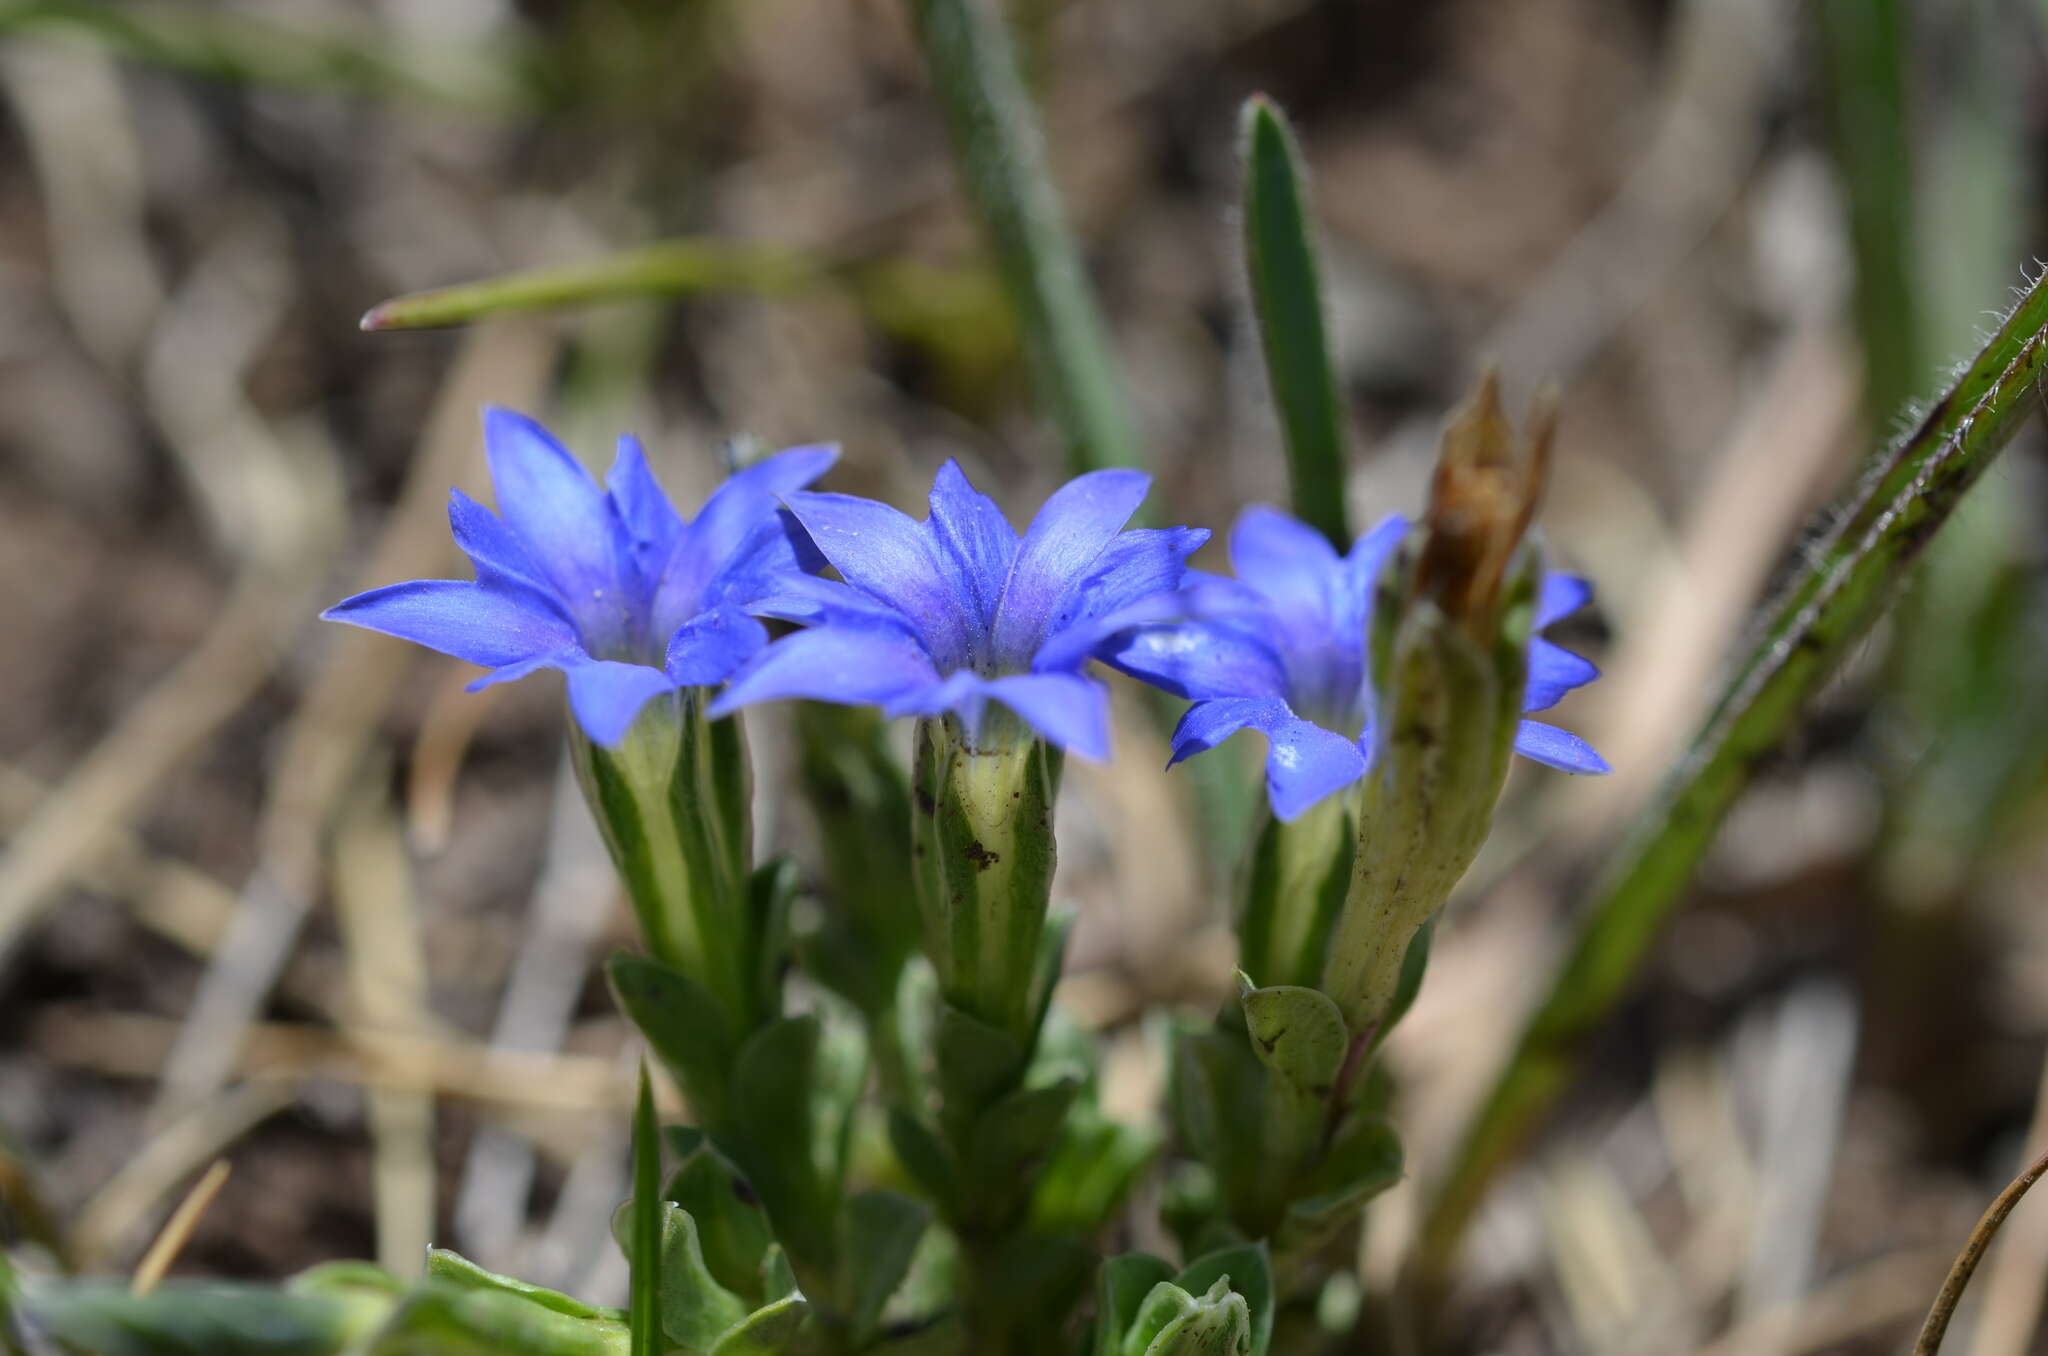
563 659
1201 660
710 648
501 559
653 528
1553 671
1135 566
1060 548
606 695
768 562
730 514
1304 762
811 601
483 625
1071 711
832 664
1557 748
891 558
976 543
1560 596
1285 559
567 524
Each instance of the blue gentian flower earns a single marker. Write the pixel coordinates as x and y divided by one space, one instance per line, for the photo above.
952 613
1281 649
609 585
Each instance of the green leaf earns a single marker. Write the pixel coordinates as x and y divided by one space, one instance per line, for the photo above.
441 1320
1881 523
1121 1287
683 1025
768 1331
1165 1305
670 268
776 1277
1413 966
732 1228
1297 1033
451 1268
999 150
1365 1160
924 1156
190 1319
1287 297
771 890
778 1122
976 1062
879 1233
1094 1166
645 1305
1248 1270
695 1309
1014 1136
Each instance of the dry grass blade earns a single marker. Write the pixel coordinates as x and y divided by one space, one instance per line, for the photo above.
178 1228
1932 1331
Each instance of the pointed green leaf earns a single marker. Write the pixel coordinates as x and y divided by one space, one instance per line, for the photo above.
732 1228
924 1156
1287 295
1094 1165
683 1025
770 892
451 1268
768 1331
1121 1287
1017 1132
976 1062
776 1277
1298 1034
879 1233
441 1320
1365 1160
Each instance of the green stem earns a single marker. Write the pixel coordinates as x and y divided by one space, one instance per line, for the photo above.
1882 524
1001 156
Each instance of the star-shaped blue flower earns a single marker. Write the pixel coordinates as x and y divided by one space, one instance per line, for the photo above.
609 585
957 611
1281 649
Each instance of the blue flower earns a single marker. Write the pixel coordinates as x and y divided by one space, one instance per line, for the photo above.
1281 649
957 611
609 585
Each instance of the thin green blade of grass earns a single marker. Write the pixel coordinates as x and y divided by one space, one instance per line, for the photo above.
1880 526
1286 289
234 47
644 1305
667 268
1001 156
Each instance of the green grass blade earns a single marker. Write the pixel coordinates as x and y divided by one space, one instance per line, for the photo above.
1881 526
1280 259
217 43
998 147
644 1306
669 268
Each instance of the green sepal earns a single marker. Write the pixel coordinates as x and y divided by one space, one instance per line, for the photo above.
1294 887
1121 1286
768 1331
732 1228
1287 299
878 1236
452 1268
684 1026
1247 1269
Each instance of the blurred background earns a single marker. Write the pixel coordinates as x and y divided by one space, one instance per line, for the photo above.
283 894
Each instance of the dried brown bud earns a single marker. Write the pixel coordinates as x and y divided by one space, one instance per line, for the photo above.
1481 500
